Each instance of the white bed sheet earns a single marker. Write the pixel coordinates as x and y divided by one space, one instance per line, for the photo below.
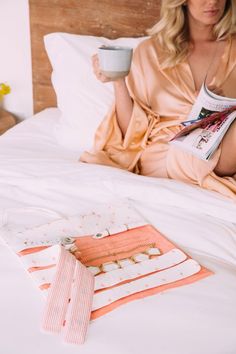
40 181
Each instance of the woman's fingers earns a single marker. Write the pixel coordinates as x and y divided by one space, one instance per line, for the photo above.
95 62
103 78
95 59
97 71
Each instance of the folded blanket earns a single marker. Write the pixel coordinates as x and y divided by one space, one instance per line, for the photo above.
89 264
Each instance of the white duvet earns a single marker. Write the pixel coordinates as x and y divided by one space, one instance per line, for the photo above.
40 181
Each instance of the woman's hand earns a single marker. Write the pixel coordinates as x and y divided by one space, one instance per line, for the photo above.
97 71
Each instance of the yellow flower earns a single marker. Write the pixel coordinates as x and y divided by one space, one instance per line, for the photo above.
4 89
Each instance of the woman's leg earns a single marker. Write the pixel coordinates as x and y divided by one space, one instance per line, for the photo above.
226 165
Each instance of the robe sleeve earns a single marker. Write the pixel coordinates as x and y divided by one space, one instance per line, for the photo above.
110 147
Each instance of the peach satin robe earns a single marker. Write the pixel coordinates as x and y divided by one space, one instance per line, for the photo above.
162 99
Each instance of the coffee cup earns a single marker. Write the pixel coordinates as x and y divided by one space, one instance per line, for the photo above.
115 61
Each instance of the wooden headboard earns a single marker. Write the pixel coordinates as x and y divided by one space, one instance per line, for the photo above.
108 18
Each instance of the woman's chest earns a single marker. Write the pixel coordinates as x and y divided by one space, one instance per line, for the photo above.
204 62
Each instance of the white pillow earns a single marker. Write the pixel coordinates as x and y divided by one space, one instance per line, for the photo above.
82 99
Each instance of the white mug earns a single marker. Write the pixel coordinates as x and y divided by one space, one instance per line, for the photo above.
115 61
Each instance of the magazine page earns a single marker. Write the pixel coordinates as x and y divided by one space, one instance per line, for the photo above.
205 121
202 142
207 103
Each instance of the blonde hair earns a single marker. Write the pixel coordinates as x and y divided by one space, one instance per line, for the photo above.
172 29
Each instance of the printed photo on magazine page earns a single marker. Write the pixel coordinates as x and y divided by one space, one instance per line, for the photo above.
209 120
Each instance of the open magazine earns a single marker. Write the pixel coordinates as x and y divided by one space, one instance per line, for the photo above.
209 120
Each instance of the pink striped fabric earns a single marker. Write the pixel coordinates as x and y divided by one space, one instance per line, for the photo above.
59 293
75 283
80 306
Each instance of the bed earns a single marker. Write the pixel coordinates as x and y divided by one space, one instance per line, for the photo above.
42 180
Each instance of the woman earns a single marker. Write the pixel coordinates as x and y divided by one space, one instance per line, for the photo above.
192 40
